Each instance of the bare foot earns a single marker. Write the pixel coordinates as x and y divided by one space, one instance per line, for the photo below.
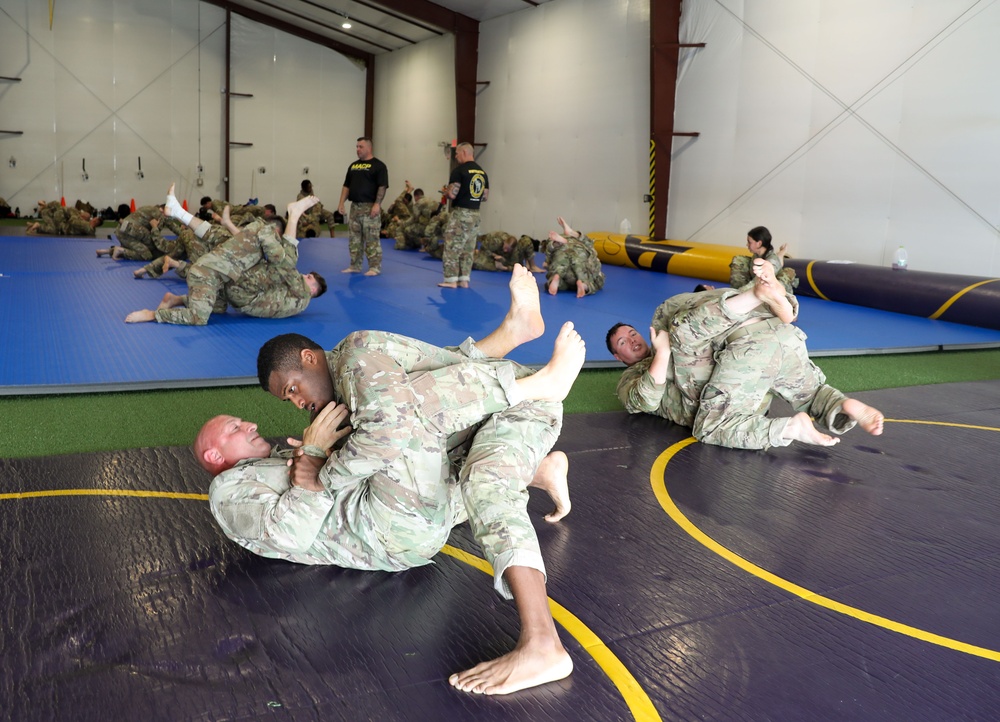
142 316
529 665
800 428
104 251
581 289
302 204
553 288
448 284
524 320
463 284
169 264
117 252
535 268
567 231
870 419
371 272
33 228
556 238
552 478
170 300
351 269
139 272
553 381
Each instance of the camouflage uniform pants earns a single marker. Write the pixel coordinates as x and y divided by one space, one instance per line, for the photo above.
758 359
576 261
460 237
136 240
364 239
692 328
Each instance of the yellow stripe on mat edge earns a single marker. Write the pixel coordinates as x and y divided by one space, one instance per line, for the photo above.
657 479
950 301
635 697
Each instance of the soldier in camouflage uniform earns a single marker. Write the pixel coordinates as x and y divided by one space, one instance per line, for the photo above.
255 271
423 225
399 212
683 379
56 220
141 236
311 222
365 185
396 479
468 188
759 244
571 263
499 251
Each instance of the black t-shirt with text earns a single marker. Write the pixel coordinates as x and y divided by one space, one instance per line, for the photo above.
364 178
472 185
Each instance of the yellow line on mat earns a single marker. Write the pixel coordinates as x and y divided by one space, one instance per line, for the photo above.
657 478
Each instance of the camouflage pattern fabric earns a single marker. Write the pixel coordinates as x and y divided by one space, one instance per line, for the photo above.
420 227
191 249
509 248
140 241
698 324
395 216
364 237
254 271
572 261
392 493
741 272
766 359
312 220
459 244
76 225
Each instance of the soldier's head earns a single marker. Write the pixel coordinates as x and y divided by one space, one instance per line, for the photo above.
270 211
464 153
307 187
418 195
759 241
316 283
277 221
703 287
626 344
225 440
364 148
293 368
206 202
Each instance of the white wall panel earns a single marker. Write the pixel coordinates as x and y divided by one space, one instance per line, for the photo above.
414 113
566 115
851 127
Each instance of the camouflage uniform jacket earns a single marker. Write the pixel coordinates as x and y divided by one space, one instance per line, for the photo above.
699 324
365 518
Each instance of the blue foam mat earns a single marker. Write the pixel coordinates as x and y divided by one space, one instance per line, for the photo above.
63 308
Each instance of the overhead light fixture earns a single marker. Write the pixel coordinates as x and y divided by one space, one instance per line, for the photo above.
346 25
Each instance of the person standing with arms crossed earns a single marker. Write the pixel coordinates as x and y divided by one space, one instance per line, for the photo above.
468 187
365 185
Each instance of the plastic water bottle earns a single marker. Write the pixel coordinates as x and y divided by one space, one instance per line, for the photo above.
900 261
625 227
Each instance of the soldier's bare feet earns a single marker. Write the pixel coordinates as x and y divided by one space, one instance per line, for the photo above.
567 231
117 253
800 428
554 380
351 269
523 321
302 204
139 272
556 238
170 300
370 272
530 664
553 287
104 251
463 284
552 477
581 289
142 316
448 284
868 418
169 264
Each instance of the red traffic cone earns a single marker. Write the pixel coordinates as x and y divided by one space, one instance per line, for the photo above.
132 206
184 205
62 201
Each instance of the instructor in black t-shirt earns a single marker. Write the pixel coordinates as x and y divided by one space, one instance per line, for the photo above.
468 187
364 186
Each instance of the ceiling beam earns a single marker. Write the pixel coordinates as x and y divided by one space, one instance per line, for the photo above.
292 29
